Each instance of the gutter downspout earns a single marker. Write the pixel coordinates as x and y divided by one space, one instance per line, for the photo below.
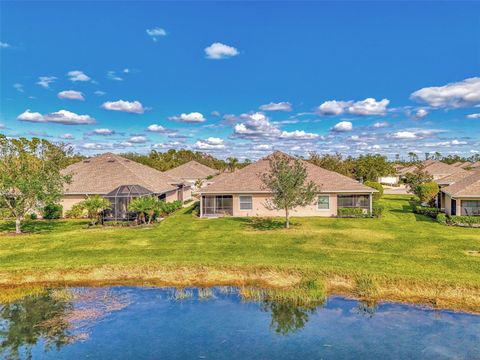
371 207
201 205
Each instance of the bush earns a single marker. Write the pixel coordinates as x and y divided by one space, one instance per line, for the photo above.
377 186
464 220
33 216
425 210
350 213
377 210
167 208
441 218
426 192
52 211
76 212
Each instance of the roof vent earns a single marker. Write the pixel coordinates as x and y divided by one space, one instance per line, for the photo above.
86 161
111 160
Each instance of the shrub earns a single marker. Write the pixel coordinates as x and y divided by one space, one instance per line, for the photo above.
167 208
365 286
52 211
33 216
425 210
464 220
426 192
441 218
377 210
377 186
350 212
76 212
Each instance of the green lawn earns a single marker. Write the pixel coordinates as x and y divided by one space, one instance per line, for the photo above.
400 245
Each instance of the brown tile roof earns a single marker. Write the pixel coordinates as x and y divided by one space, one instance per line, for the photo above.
191 170
101 174
458 163
475 165
435 168
468 186
248 179
452 178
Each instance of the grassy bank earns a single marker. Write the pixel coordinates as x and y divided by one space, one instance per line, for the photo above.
403 256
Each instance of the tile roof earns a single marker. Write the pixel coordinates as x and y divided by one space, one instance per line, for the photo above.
468 186
103 173
452 178
191 170
248 179
435 168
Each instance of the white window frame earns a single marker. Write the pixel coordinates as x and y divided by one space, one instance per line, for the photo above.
240 202
323 209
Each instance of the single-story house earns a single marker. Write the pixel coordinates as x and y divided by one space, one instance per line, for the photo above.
192 171
462 197
449 180
119 180
435 168
242 193
462 164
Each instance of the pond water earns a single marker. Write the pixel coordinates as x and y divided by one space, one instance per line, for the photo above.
161 323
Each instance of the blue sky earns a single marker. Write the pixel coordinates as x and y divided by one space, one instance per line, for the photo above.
243 79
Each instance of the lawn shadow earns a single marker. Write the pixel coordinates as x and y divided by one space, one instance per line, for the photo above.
39 226
264 224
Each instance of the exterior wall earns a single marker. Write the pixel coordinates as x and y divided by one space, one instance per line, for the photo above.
448 204
389 180
187 193
171 196
459 203
68 201
260 209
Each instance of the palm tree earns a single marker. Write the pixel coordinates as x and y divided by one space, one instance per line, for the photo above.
413 156
232 163
437 155
95 205
145 206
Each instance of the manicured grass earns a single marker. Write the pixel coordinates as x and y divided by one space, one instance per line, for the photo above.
399 246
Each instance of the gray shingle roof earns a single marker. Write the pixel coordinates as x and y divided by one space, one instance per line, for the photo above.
468 186
191 170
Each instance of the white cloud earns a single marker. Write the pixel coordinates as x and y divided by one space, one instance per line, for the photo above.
421 113
298 134
405 135
453 95
343 126
99 93
126 71
155 33
156 128
103 131
45 81
4 45
215 113
112 76
125 106
139 139
96 146
280 106
381 124
218 51
191 117
67 136
71 95
473 116
18 87
211 143
77 75
366 107
262 147
64 117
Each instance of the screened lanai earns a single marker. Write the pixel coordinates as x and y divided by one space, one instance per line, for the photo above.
120 198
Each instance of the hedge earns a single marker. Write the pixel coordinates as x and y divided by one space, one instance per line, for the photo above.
350 212
377 210
464 220
425 210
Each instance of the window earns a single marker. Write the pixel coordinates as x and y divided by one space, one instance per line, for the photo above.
361 201
323 202
471 207
245 202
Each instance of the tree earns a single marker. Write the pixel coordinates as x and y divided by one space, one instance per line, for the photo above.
426 192
94 206
30 175
145 206
198 183
370 167
437 155
333 162
286 180
232 163
412 156
416 178
377 186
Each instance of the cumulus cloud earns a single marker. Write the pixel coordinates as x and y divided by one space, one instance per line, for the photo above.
99 93
421 113
45 81
381 124
138 139
212 143
343 126
71 95
64 117
453 95
156 33
77 75
190 117
125 106
404 135
18 87
298 134
218 51
67 136
4 45
156 128
473 116
366 107
280 106
263 147
103 131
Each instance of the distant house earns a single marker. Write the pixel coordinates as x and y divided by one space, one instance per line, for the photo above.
242 193
191 171
462 196
119 180
475 165
435 168
462 164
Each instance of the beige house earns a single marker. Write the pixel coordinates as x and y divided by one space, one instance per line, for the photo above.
119 180
435 168
242 193
192 171
462 196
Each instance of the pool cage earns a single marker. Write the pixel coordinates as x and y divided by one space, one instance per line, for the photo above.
120 198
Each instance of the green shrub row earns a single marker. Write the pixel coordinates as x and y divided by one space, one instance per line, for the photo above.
425 210
459 220
377 210
351 213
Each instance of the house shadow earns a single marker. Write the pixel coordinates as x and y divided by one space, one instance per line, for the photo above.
36 226
264 224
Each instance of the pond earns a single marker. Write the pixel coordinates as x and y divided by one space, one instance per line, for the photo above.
219 323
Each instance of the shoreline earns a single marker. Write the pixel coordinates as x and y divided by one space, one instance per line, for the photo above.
292 285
